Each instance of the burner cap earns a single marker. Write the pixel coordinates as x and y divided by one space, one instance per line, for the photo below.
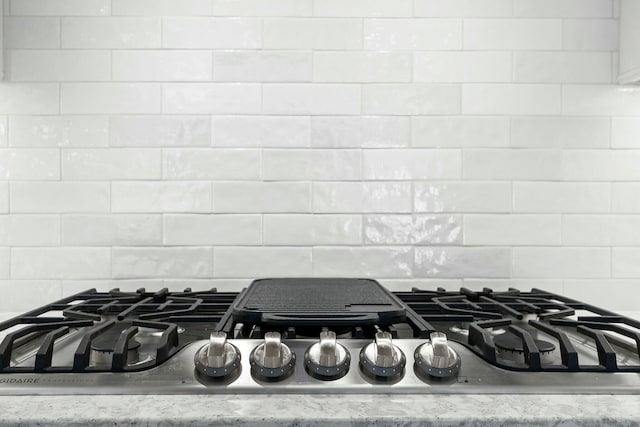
106 342
511 342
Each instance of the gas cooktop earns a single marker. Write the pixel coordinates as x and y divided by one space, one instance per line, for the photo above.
319 336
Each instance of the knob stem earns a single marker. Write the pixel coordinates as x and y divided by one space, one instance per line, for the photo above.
272 349
328 350
216 351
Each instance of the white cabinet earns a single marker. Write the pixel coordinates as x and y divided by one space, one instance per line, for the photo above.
629 42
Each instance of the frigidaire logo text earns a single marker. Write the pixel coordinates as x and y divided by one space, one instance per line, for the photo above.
19 380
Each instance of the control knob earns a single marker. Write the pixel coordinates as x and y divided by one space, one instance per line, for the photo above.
272 360
381 359
327 359
436 358
219 359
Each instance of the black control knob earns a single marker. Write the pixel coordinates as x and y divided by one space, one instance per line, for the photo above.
327 359
436 358
381 359
219 359
272 360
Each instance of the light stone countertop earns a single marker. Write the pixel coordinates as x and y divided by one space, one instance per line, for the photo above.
322 410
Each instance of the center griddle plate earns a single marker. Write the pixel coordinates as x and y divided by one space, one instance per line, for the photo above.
318 302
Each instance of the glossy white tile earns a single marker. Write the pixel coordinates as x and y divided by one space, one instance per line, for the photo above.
590 34
514 99
337 66
29 98
316 164
463 262
413 229
160 7
354 197
303 99
110 98
564 262
59 197
265 261
97 164
60 7
563 8
204 164
462 66
561 67
218 230
459 131
513 34
625 132
162 262
512 230
31 32
262 66
376 262
508 164
110 33
598 100
261 131
312 33
361 131
59 131
160 131
279 197
29 230
560 132
310 230
111 230
161 196
411 99
462 197
211 33
31 65
363 8
412 34
561 197
463 8
394 164
262 7
161 65
58 263
34 164
211 98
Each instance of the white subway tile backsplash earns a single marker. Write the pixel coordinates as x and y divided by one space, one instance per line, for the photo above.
3 131
59 131
561 262
398 164
97 164
512 230
558 67
29 230
378 262
413 229
305 99
160 131
52 197
60 7
199 164
560 132
512 34
110 98
280 197
412 34
363 8
210 98
625 132
162 196
590 34
460 132
26 294
601 230
59 65
625 197
4 197
211 33
318 165
162 262
160 7
5 263
334 66
362 131
219 230
463 8
29 98
312 33
411 99
264 262
261 131
355 197
111 230
597 100
309 230
29 164
31 32
516 99
507 164
561 197
462 197
563 8
596 291
451 67
110 33
160 65
463 262
625 262
58 263
262 66
262 7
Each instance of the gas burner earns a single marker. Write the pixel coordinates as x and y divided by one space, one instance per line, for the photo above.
510 347
103 348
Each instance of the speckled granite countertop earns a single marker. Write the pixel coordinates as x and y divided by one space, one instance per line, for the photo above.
322 410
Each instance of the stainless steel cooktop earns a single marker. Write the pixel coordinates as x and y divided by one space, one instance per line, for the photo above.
436 342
